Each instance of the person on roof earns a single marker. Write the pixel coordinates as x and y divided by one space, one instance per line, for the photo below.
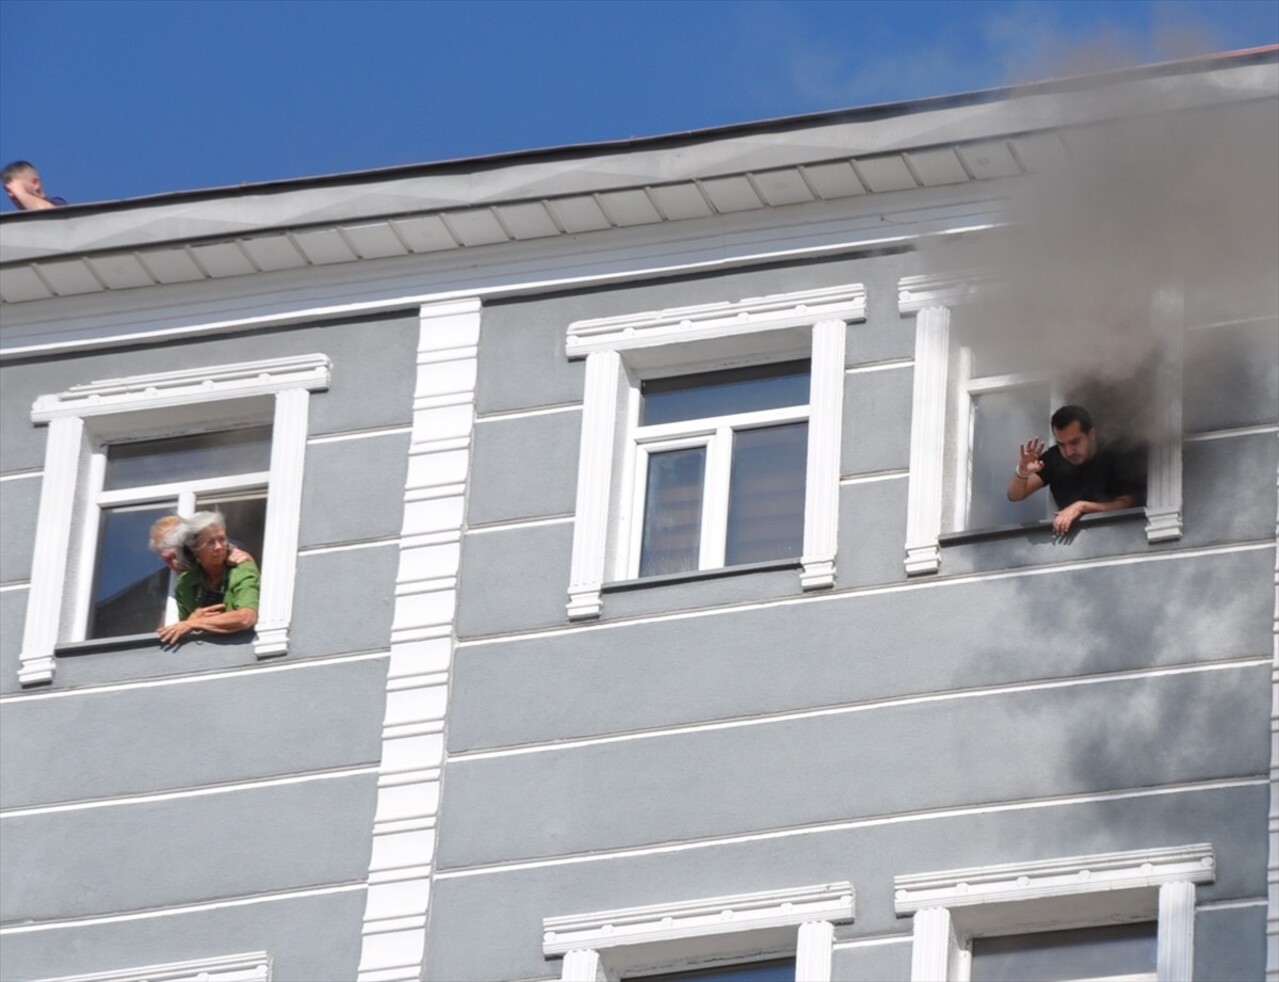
22 184
1085 475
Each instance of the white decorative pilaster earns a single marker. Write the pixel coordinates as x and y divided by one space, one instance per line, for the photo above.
927 440
49 563
594 480
813 951
280 537
583 965
1163 491
825 424
1272 865
404 825
1175 961
935 948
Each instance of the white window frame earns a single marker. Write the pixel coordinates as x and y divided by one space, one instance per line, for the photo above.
951 907
712 931
930 298
621 351
249 967
79 422
967 388
715 434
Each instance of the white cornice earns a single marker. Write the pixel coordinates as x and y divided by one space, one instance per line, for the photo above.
715 320
914 293
711 915
164 390
1054 877
252 967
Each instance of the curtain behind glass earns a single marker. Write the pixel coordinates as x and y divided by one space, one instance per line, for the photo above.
673 512
766 494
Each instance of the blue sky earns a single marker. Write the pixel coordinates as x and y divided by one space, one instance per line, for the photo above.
120 99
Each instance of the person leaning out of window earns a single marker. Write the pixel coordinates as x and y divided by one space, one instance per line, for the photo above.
213 595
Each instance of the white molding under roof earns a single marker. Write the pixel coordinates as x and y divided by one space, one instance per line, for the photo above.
543 195
1062 877
834 902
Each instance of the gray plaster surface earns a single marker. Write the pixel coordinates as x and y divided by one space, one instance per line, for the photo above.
514 579
872 533
1127 733
1230 945
876 433
877 963
194 733
229 844
354 490
19 503
1232 376
344 601
848 648
524 467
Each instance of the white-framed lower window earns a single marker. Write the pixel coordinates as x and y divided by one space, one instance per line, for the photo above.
696 489
764 930
1124 915
122 452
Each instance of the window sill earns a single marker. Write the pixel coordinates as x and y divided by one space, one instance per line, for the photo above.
699 575
133 642
1120 516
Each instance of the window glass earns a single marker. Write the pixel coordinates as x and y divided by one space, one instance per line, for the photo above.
673 511
766 494
1123 950
245 518
188 458
130 585
1001 422
774 971
734 390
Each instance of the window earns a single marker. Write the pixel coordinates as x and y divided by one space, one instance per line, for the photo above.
227 470
1124 915
121 452
720 464
710 439
747 937
1118 952
969 415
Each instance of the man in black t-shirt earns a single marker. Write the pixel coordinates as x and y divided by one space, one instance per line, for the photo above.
1085 477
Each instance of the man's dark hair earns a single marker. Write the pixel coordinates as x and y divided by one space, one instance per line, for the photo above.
1066 415
14 169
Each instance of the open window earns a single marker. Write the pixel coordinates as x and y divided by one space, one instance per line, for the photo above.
977 398
123 452
710 440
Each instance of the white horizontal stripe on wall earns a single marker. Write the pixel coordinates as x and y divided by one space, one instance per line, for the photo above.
892 702
151 797
178 910
20 475
520 523
940 582
1231 433
359 435
880 366
107 688
875 476
905 818
574 407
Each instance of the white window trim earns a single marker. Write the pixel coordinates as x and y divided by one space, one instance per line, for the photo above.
250 967
597 947
603 483
70 415
951 906
930 297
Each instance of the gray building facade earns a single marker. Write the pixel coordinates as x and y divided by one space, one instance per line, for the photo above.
639 596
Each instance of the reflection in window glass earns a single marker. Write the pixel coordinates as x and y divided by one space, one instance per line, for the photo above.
1002 421
673 512
130 585
776 971
188 458
735 390
1123 950
766 494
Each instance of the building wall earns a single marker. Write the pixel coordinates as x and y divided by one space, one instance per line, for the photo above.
161 806
1037 698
